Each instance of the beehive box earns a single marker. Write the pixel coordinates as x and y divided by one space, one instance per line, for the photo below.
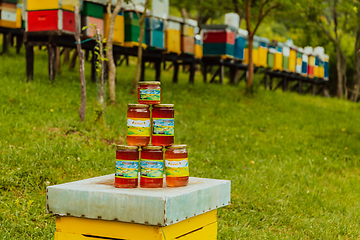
35 5
94 208
154 32
304 65
92 9
173 35
278 60
292 59
286 55
50 20
263 51
93 23
10 15
271 57
198 46
132 28
218 40
239 47
298 67
188 45
326 67
119 28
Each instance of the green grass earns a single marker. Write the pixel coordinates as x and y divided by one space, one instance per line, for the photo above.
293 160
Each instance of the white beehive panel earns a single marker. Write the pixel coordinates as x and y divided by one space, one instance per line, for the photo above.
97 198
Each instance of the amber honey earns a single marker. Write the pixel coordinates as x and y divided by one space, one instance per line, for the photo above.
138 124
151 167
162 133
149 92
126 166
176 166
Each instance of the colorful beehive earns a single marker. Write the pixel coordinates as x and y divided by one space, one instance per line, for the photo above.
286 56
36 5
173 34
292 55
278 60
10 14
119 36
263 52
92 15
198 46
304 64
319 62
240 42
154 32
326 67
51 15
311 61
132 28
232 20
188 36
271 57
298 67
218 40
255 53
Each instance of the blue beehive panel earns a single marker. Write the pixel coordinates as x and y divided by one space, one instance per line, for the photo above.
316 61
218 49
198 42
326 70
152 23
154 38
304 67
239 47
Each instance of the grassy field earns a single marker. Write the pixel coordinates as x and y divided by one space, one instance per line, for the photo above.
293 160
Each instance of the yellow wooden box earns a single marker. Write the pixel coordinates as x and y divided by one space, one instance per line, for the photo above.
173 41
255 56
188 30
198 51
292 60
278 61
262 60
201 227
119 29
33 5
7 24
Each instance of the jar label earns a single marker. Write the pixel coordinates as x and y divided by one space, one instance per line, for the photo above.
163 126
177 167
138 127
150 94
126 169
151 168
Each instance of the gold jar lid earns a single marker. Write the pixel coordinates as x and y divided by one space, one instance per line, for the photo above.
149 83
176 146
136 105
152 147
164 105
123 147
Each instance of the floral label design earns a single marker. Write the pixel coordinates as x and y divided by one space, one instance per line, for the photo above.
138 127
163 126
150 94
151 168
126 169
177 167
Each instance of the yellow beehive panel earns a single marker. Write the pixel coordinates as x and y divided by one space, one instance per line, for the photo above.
173 41
246 56
278 61
203 226
119 29
33 5
262 56
188 31
198 51
292 60
18 18
255 56
7 24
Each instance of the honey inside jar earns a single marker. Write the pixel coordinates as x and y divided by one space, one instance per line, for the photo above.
162 125
176 166
126 166
151 167
138 124
149 92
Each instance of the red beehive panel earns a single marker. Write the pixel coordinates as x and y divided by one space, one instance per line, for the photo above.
219 36
48 20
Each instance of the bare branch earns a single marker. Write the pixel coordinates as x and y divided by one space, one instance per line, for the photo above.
264 14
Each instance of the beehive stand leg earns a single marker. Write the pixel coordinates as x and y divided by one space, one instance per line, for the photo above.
5 43
73 60
215 74
87 55
222 72
29 51
279 84
271 83
204 71
312 89
142 70
19 42
284 84
266 81
158 70
58 60
192 72
51 60
11 39
176 71
300 90
94 59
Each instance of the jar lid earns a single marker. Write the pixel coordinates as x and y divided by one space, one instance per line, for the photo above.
136 105
176 146
164 105
122 147
152 147
149 83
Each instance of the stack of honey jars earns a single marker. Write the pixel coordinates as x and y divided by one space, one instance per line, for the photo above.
150 120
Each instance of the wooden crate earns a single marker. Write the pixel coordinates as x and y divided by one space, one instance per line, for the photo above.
50 20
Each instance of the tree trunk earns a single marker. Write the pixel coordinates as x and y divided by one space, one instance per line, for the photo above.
109 46
250 64
141 37
355 93
66 55
101 59
339 73
82 108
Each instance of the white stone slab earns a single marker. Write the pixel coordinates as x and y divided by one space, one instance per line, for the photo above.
97 198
